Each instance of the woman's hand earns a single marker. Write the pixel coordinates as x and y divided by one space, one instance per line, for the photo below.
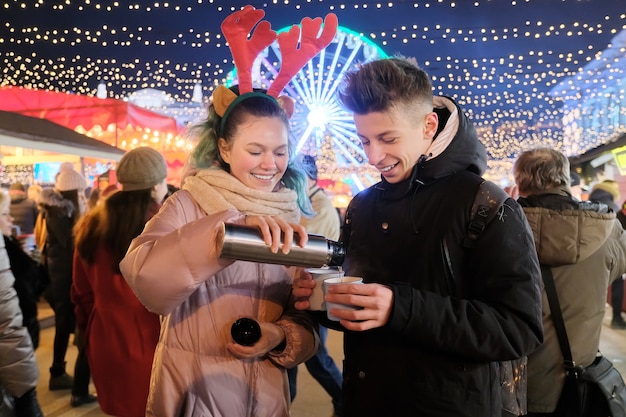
276 231
302 289
272 335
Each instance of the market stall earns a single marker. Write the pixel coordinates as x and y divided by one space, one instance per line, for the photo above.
32 150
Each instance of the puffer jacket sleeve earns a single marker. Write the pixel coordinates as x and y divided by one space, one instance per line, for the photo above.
301 337
175 253
18 367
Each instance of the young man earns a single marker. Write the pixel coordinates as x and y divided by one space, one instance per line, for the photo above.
585 247
437 315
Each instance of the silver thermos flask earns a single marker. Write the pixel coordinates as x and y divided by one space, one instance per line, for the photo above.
246 243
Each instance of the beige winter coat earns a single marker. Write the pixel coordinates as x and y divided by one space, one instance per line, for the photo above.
586 251
173 268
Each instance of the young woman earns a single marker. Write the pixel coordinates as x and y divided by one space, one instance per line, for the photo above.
242 173
120 333
61 207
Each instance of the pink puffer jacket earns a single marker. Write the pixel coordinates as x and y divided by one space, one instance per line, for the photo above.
173 269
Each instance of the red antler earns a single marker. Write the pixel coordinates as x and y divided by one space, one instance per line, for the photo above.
236 29
310 45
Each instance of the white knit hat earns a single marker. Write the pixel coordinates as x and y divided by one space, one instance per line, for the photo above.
69 179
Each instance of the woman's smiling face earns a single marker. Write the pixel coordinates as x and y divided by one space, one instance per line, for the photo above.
258 153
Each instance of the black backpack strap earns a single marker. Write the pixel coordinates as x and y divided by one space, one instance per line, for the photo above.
513 374
489 198
557 319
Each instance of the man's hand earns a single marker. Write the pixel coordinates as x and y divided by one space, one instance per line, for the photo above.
375 299
302 289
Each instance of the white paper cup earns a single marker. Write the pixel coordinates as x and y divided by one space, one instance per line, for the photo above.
335 281
316 301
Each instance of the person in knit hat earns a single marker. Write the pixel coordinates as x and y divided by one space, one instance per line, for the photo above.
61 207
102 238
23 208
69 179
141 169
607 192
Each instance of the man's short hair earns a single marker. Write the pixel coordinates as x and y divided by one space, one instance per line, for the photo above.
540 169
379 85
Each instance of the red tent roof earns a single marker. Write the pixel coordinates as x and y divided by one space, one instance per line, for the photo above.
73 110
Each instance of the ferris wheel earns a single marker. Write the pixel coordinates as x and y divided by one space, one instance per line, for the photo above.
320 126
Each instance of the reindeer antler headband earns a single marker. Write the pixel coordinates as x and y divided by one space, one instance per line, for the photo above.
236 29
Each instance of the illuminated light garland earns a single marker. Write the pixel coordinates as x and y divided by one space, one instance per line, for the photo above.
503 74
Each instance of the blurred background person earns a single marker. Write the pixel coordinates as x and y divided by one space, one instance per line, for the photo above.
23 209
575 187
112 188
94 197
18 368
324 222
105 304
40 225
171 189
24 270
585 248
33 192
607 192
61 208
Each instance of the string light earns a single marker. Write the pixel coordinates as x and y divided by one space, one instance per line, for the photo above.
521 78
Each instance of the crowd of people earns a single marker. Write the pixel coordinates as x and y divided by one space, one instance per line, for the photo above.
136 275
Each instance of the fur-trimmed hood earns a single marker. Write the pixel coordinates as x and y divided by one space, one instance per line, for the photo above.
52 199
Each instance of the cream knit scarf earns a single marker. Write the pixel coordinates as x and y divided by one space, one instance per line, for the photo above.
215 190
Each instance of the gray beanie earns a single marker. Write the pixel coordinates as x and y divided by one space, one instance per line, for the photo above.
69 179
140 169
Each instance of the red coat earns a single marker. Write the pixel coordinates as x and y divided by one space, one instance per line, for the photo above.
120 335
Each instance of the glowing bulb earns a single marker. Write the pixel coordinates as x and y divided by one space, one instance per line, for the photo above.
317 117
